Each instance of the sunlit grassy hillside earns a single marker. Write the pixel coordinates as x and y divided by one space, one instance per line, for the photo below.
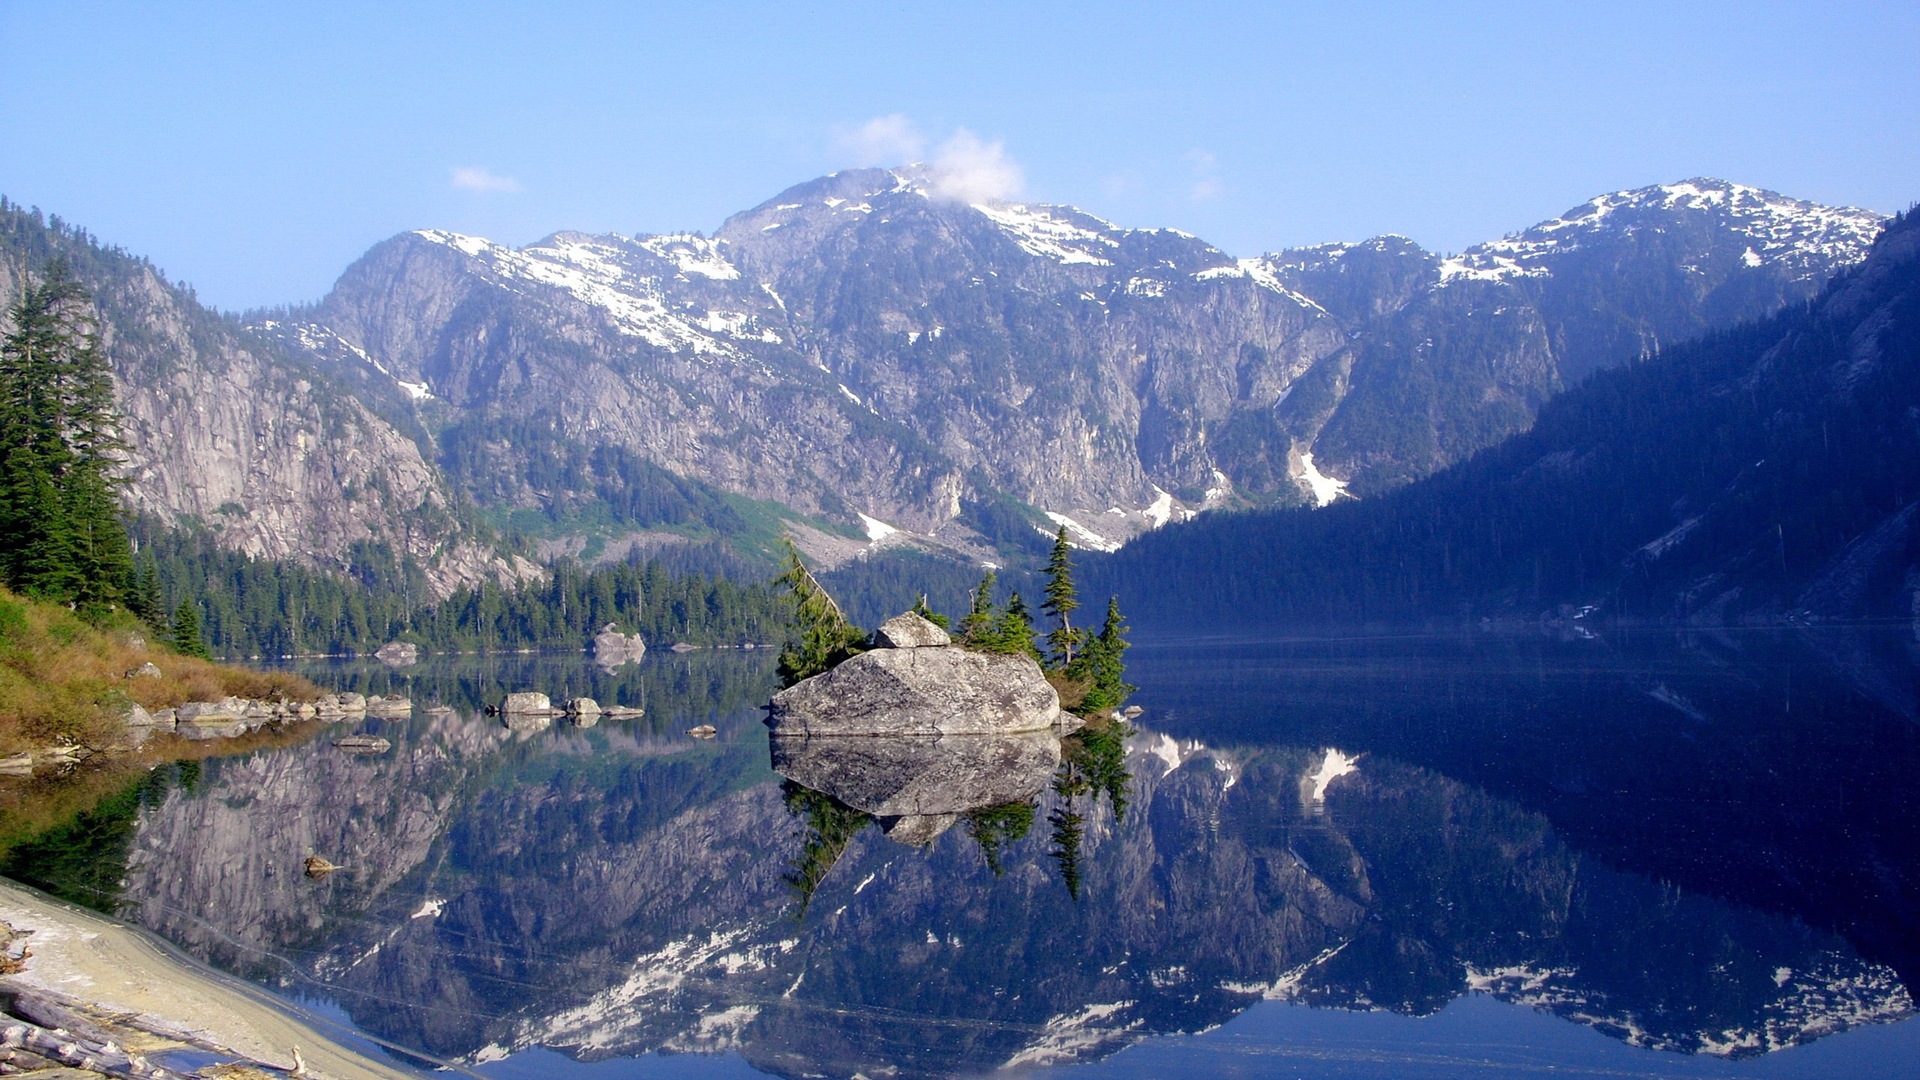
66 681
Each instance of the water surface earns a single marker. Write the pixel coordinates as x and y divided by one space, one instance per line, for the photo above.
1438 856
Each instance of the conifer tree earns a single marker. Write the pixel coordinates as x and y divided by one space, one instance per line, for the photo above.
1103 663
921 609
186 631
61 537
1061 600
825 636
1014 634
977 627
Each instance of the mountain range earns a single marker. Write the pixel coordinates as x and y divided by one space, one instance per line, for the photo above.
1762 473
866 364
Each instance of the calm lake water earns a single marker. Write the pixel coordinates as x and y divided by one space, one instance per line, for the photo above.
1478 855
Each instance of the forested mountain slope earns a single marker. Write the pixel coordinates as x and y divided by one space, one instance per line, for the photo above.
1762 472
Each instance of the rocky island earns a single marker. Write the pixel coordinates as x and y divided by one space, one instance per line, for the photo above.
917 682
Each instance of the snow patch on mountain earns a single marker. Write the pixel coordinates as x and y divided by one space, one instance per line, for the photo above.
1325 488
1261 272
1052 232
603 273
693 254
320 339
1080 536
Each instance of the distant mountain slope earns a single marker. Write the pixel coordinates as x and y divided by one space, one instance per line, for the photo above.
228 432
1767 471
861 349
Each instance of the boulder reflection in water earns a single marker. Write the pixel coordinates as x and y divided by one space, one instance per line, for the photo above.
918 786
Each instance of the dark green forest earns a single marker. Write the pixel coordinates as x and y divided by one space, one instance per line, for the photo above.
263 607
1752 473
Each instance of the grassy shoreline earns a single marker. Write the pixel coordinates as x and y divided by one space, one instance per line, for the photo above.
67 682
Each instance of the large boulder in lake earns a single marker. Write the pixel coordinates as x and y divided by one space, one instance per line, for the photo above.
938 690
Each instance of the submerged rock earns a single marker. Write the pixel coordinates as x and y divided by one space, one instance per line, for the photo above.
927 690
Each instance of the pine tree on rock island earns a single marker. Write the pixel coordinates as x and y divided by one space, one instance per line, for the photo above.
61 535
1061 600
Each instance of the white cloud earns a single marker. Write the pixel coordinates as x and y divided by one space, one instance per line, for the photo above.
475 178
884 141
969 169
1206 179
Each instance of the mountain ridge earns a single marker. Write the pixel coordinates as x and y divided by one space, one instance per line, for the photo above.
1115 378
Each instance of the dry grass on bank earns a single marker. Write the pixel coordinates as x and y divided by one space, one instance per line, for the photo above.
63 680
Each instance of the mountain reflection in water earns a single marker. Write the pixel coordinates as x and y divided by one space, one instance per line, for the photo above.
613 891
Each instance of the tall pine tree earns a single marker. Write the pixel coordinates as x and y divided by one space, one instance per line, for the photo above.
1061 601
61 536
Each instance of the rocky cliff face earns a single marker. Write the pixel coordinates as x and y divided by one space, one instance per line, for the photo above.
229 432
859 346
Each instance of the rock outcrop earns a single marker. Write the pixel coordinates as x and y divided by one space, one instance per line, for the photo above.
909 631
929 690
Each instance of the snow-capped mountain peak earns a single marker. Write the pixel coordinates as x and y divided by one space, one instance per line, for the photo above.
1802 237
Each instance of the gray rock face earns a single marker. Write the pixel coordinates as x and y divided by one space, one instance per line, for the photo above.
148 670
923 691
909 631
222 428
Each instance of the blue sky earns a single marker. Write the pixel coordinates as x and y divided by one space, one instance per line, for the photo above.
257 149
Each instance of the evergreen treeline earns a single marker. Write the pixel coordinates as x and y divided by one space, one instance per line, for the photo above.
1721 476
61 537
263 607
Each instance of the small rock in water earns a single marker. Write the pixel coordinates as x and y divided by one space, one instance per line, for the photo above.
681 646
388 706
363 744
398 653
704 731
611 648
527 701
1131 712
